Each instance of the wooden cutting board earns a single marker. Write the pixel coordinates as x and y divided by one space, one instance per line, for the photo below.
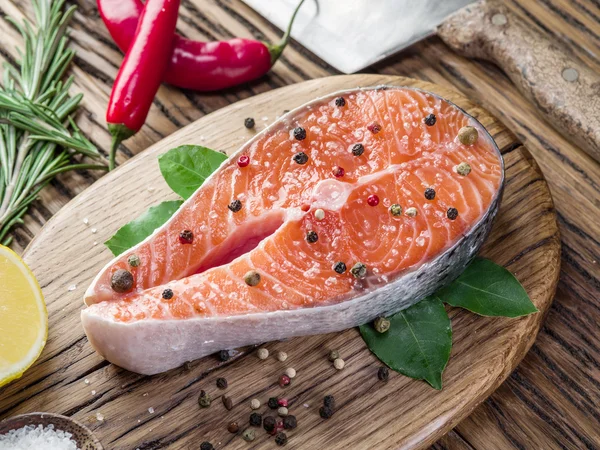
162 411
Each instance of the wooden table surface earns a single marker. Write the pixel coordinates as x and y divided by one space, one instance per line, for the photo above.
551 400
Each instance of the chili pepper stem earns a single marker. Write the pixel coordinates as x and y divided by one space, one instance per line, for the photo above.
119 133
276 49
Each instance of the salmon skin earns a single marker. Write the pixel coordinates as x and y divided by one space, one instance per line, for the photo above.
352 206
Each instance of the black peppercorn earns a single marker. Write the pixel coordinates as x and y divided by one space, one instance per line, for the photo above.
206 446
256 419
358 149
249 122
452 213
269 424
167 294
429 193
301 158
299 133
273 403
221 383
235 206
329 401
430 120
281 439
312 237
340 101
326 412
290 422
224 355
339 267
121 281
383 374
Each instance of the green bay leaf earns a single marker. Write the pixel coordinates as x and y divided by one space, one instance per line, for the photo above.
186 167
418 342
488 289
139 229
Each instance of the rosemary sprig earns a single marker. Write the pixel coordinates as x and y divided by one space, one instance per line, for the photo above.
38 137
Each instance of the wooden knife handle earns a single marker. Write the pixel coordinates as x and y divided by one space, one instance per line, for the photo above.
563 89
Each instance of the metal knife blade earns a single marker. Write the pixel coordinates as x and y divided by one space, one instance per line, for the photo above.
353 34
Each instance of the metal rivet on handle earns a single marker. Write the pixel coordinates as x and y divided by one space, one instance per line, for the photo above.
570 74
499 19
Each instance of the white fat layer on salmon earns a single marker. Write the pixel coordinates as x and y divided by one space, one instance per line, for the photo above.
299 292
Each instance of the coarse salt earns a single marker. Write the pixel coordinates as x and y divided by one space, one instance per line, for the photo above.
37 437
151 410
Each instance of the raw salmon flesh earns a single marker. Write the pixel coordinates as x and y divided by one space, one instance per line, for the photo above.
352 206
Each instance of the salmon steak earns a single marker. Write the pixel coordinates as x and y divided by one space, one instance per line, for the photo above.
353 206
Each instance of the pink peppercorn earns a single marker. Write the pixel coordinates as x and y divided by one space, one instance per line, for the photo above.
373 200
243 161
278 427
282 402
284 380
374 128
338 171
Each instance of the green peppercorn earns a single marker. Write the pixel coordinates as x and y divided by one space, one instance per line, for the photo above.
252 278
359 270
204 399
333 355
121 281
468 135
281 439
221 383
396 210
133 260
463 169
249 435
381 324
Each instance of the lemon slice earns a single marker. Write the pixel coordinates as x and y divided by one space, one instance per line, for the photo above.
23 317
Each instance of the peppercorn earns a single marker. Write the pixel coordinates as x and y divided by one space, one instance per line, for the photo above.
281 439
282 402
263 353
235 206
326 412
256 419
329 401
340 101
383 374
452 213
227 402
133 260
281 356
290 422
339 267
338 171
233 427
255 403
284 380
396 210
269 424
273 403
468 135
381 324
463 169
206 446
299 133
243 161
225 355
358 149
167 294
301 158
359 270
374 128
373 200
319 214
333 355
411 212
249 435
249 122
290 372
282 411
221 383
312 237
430 120
252 278
339 364
204 399
429 193
186 237
121 281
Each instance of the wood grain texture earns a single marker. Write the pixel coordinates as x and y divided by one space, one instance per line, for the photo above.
401 413
552 399
564 90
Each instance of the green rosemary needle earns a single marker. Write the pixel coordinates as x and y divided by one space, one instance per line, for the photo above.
38 137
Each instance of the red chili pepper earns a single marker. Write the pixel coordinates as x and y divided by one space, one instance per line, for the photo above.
142 71
201 66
